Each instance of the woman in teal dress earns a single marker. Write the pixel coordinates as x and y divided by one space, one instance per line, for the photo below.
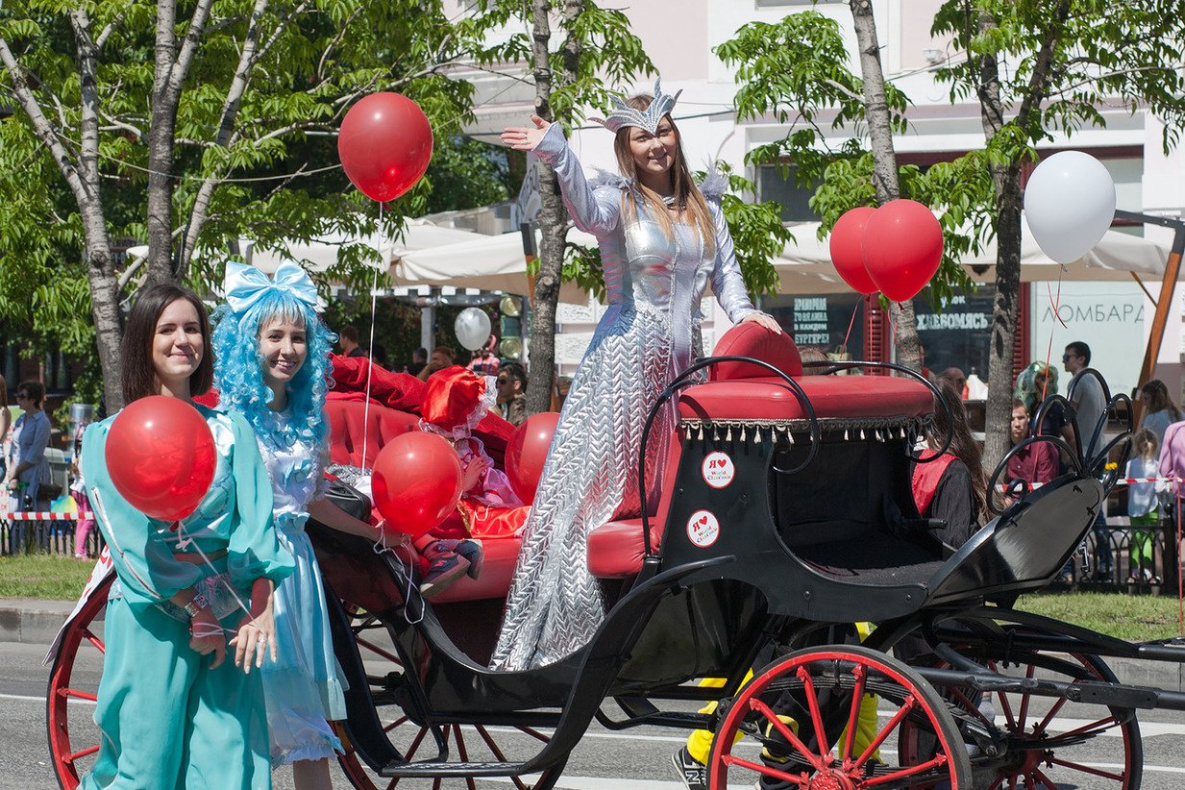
173 713
273 366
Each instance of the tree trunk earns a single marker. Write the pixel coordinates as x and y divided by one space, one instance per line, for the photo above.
160 148
553 217
880 132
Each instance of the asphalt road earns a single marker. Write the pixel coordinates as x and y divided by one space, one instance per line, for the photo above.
637 760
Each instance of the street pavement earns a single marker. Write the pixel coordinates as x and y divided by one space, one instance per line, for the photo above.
636 760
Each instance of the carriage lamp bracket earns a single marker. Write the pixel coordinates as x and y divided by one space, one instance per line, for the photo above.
684 379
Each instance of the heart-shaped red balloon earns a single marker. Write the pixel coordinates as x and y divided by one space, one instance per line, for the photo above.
385 145
161 457
902 248
847 238
416 482
526 453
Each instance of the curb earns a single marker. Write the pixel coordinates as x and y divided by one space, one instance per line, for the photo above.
32 621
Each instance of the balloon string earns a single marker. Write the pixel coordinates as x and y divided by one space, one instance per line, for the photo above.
852 323
374 288
1055 303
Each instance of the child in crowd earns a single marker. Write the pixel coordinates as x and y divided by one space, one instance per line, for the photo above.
1142 506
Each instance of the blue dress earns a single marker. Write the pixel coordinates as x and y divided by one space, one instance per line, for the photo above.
167 719
304 687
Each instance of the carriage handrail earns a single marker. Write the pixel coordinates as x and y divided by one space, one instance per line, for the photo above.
683 380
1057 441
834 366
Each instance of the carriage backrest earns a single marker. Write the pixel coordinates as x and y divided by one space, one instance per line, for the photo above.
350 422
752 340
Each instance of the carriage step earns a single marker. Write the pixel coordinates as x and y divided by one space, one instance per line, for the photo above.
447 768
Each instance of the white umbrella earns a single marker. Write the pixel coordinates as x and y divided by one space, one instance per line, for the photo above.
492 263
320 254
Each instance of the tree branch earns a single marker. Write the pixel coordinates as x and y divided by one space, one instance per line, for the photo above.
1038 80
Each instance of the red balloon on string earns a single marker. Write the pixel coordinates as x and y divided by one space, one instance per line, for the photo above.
161 457
527 451
847 236
385 145
902 248
416 482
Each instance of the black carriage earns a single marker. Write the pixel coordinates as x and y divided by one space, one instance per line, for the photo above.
786 518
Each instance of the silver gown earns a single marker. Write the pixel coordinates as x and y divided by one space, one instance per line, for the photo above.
649 334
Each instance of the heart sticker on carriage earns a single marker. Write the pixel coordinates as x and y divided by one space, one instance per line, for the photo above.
703 528
718 469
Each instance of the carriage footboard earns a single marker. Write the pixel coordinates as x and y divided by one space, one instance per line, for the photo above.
1089 692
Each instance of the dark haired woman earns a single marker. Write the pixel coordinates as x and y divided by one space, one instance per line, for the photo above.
172 712
662 239
1159 410
953 487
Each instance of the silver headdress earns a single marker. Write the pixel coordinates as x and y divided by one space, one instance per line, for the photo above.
649 119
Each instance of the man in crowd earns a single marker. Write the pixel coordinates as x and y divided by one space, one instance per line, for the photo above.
512 392
347 338
1085 393
442 357
419 360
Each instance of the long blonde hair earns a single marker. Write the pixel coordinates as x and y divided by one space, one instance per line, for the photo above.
688 197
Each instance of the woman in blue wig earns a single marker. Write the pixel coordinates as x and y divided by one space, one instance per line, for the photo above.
171 710
273 368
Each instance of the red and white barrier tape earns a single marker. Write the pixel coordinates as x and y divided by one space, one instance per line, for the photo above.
1122 481
40 515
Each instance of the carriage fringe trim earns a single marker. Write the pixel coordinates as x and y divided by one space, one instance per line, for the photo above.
880 429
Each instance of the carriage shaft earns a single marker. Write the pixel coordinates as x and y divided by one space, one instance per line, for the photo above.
1088 691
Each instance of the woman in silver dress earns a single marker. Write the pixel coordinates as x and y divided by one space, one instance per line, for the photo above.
662 239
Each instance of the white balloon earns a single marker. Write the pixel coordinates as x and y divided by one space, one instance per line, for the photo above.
472 327
1069 203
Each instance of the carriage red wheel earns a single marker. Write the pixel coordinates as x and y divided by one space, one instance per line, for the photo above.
69 705
1050 741
803 710
466 742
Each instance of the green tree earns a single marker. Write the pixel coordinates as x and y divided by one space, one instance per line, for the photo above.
193 124
1040 67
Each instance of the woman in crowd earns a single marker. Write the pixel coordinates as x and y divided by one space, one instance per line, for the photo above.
1142 505
953 487
1159 410
171 711
662 238
273 367
28 468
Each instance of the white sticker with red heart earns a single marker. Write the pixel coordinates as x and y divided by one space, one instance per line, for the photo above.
703 528
718 470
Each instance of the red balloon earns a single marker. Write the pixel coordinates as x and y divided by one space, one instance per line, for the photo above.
385 144
902 248
161 457
847 236
526 452
416 482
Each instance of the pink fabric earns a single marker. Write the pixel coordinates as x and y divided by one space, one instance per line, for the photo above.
1172 453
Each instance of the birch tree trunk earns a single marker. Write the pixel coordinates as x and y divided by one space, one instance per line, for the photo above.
884 157
553 217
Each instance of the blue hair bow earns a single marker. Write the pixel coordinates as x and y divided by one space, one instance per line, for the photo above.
245 285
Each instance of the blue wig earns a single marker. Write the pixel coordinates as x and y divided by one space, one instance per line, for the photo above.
238 371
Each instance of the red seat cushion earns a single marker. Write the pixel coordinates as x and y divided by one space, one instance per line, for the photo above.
752 340
866 397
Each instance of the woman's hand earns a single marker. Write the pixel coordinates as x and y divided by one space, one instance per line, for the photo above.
763 320
524 138
206 637
257 631
473 473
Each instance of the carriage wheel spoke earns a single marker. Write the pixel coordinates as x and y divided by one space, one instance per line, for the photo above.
535 734
1086 769
89 636
907 706
1024 701
76 694
812 701
463 753
854 714
1045 780
732 760
816 760
1040 728
968 705
84 753
378 650
394 724
415 744
1007 708
493 747
1091 729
